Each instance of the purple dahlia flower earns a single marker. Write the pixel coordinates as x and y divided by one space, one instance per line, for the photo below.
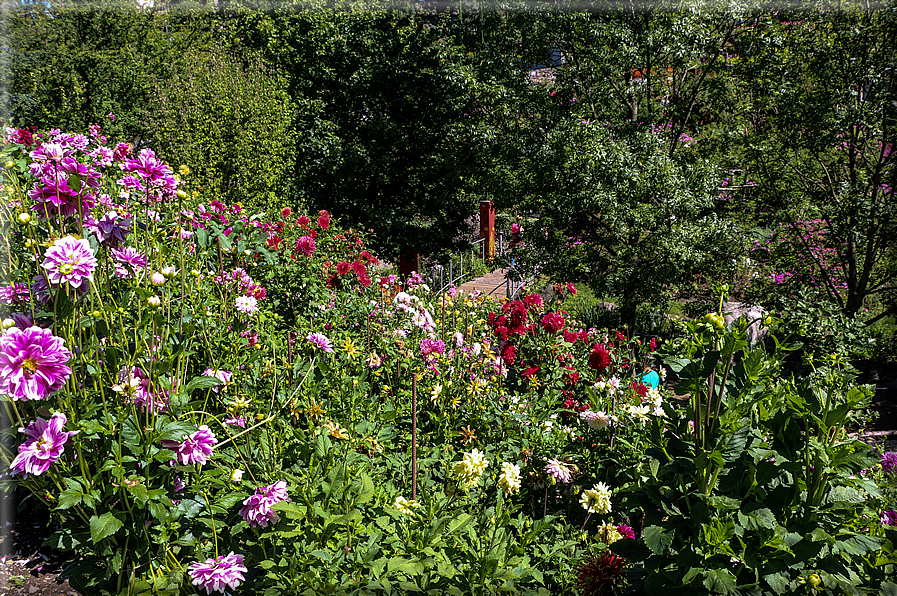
257 508
32 363
320 341
195 448
45 446
217 574
70 261
15 294
128 261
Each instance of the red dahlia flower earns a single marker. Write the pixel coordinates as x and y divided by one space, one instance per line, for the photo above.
553 322
599 359
599 575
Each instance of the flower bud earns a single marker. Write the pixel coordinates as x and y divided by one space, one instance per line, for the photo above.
154 301
24 218
181 194
7 323
10 164
236 475
169 272
157 279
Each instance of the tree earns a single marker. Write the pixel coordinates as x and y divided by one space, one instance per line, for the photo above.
823 145
231 124
617 211
394 91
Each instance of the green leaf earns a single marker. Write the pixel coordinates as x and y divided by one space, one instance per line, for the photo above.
719 581
69 498
888 589
202 382
104 526
777 581
402 565
322 554
366 490
630 549
657 540
175 431
757 519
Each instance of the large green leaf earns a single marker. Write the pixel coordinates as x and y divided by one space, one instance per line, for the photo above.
104 526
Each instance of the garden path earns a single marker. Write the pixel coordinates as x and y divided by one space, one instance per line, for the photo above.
491 284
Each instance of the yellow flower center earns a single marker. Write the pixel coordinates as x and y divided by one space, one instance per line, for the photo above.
66 268
30 365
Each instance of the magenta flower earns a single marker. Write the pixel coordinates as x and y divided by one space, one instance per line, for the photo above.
195 448
15 294
430 349
32 363
70 261
320 341
222 375
889 463
217 574
625 531
44 447
257 508
553 322
236 421
305 246
128 261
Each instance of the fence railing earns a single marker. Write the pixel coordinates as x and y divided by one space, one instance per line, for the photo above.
441 277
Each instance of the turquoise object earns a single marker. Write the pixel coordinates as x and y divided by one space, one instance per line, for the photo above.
651 379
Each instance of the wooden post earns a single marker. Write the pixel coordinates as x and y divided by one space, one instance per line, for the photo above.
487 229
408 263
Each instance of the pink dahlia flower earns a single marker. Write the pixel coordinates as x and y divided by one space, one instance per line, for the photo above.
195 448
217 574
32 363
246 304
128 261
45 446
430 349
224 376
320 341
305 246
257 508
69 261
558 471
